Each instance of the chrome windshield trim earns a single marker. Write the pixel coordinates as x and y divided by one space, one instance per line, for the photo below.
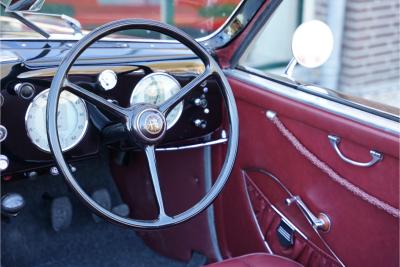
340 109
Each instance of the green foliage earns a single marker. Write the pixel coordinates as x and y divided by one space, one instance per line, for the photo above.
217 11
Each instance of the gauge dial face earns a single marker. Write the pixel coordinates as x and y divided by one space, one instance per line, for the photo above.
107 79
155 88
72 120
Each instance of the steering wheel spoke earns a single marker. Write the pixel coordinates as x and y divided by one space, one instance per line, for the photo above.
96 100
174 100
152 162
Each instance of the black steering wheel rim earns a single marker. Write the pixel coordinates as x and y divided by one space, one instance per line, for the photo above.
60 81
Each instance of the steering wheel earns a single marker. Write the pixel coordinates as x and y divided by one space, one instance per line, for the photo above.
145 123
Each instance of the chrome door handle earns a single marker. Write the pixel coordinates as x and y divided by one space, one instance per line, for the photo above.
376 156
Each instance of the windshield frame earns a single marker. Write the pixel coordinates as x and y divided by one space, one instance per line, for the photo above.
244 12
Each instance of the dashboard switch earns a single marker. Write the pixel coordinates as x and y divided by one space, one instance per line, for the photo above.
4 162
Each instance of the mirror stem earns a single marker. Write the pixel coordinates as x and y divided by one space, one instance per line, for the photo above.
290 68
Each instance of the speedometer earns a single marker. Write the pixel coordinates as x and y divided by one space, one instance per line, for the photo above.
155 88
72 120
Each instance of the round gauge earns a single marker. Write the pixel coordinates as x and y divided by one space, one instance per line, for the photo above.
155 88
72 120
107 79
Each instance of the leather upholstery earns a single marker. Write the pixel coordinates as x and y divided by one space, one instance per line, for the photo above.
256 260
374 233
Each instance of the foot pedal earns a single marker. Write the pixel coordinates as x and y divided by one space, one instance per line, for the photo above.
103 198
197 260
12 204
121 210
61 213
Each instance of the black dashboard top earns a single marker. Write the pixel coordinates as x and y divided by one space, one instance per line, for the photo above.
35 62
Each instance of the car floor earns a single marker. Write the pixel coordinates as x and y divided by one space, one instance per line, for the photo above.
29 240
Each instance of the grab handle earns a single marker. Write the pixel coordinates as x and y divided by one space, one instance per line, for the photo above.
376 156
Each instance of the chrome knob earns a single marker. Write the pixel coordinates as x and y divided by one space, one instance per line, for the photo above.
200 123
197 101
4 162
54 171
3 133
201 102
25 90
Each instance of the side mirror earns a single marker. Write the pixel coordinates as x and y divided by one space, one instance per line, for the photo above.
24 5
312 44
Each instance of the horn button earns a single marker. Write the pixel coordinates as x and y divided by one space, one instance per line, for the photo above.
149 125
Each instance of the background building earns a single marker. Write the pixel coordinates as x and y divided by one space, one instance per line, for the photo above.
366 57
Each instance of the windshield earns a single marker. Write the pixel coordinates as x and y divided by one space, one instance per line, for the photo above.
198 18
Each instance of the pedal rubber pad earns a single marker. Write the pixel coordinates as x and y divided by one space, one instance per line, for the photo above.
121 210
61 213
103 198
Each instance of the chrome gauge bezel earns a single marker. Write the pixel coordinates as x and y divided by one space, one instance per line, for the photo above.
138 87
78 139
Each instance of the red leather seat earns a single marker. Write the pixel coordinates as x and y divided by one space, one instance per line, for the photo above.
257 260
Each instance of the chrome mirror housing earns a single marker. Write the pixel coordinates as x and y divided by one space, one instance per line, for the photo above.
312 45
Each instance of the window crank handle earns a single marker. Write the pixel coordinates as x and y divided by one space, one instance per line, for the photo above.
322 222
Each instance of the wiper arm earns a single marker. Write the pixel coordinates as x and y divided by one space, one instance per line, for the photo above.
31 25
25 21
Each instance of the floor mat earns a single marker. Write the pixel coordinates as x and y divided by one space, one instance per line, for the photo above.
29 240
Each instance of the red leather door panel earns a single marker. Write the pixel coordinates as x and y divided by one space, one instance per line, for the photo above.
361 234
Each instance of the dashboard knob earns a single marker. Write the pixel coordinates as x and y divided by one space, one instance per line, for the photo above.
3 133
54 171
3 162
25 90
200 123
197 101
201 102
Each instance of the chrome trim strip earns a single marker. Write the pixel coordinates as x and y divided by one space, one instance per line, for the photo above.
267 246
210 210
286 220
223 26
209 143
318 102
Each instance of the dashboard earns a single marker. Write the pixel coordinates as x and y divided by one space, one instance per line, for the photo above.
135 72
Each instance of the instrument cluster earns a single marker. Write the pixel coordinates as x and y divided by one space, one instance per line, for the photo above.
78 121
